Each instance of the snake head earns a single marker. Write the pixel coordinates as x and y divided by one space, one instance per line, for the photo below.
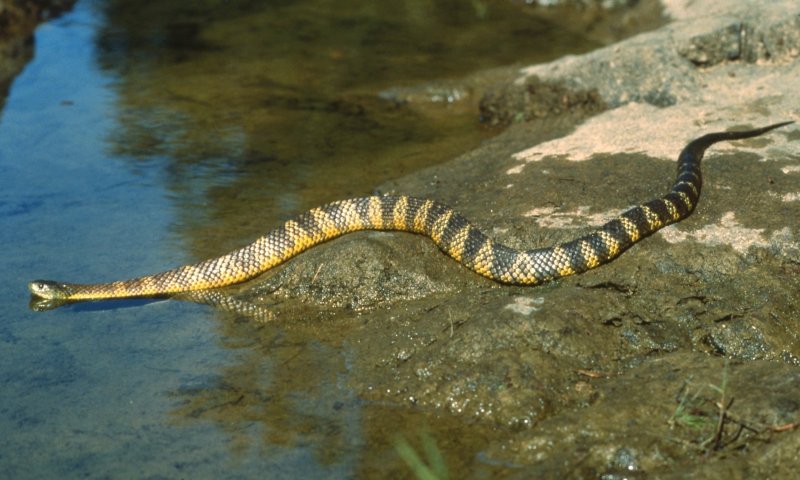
47 295
49 290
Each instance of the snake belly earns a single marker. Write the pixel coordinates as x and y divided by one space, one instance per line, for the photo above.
447 228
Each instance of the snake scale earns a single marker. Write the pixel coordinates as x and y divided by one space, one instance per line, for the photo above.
447 228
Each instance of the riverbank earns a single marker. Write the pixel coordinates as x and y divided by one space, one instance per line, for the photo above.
18 19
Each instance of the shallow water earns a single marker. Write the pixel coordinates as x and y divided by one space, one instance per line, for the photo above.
143 136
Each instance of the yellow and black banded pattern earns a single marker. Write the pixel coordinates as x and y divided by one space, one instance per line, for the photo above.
447 228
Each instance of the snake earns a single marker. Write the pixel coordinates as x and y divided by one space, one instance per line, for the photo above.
448 229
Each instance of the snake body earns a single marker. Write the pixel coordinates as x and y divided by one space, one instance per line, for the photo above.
448 229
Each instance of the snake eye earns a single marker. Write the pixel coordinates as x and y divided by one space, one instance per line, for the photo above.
43 288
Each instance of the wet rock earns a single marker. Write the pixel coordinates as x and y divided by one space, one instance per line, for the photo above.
364 271
659 417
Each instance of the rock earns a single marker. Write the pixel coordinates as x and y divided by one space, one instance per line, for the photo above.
661 68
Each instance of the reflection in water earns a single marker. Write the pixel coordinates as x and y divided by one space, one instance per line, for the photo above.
264 110
226 302
286 390
217 298
283 392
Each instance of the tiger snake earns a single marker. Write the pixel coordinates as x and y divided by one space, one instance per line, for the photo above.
451 232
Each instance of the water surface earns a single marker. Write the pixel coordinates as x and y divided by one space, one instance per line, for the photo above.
143 136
